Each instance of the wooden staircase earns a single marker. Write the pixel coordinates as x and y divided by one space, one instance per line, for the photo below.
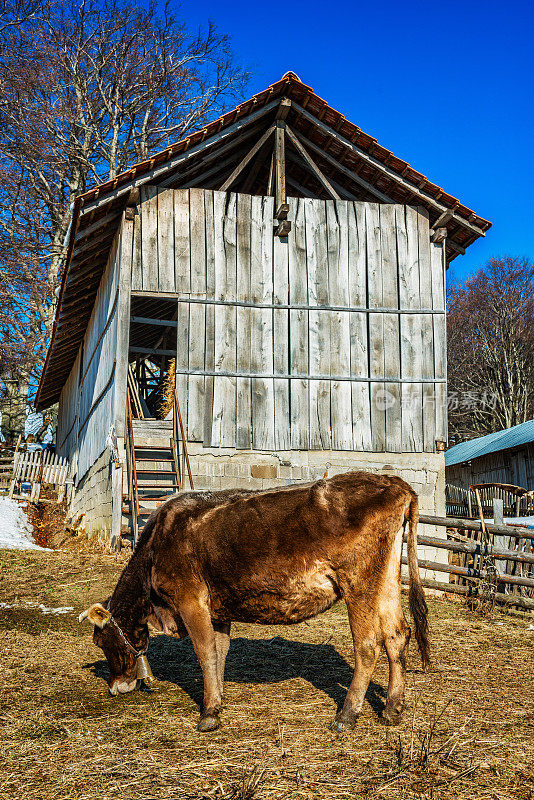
157 480
154 473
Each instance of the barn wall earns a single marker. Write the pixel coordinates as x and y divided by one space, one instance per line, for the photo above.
93 498
331 340
67 431
96 392
92 401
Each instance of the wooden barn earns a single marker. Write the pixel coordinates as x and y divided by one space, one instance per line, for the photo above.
260 303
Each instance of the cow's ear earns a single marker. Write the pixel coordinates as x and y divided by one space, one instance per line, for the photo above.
96 614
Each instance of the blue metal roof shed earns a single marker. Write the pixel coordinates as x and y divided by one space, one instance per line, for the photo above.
492 443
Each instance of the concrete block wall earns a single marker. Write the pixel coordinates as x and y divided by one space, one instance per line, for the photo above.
92 497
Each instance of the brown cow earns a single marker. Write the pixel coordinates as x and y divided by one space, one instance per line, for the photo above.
278 556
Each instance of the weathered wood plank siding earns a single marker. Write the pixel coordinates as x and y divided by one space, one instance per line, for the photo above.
87 408
331 338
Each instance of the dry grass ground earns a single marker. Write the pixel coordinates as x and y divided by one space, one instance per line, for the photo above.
62 736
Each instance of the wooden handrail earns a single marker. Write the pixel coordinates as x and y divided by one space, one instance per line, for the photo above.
174 446
510 529
177 412
132 478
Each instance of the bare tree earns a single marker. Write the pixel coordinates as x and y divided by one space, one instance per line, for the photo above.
14 13
490 333
86 89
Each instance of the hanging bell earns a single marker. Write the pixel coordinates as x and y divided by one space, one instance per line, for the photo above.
144 673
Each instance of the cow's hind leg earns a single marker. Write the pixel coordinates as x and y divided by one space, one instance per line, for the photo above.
197 620
366 635
396 632
222 645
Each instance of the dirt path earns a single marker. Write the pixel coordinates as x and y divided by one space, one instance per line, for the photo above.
62 736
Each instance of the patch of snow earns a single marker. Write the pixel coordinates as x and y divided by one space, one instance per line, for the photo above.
60 610
39 607
15 529
527 522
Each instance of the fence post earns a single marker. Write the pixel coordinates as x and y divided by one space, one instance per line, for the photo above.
499 541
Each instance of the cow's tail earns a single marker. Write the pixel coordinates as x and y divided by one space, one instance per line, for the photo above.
418 606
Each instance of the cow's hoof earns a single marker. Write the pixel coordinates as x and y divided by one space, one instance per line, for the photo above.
340 725
208 723
391 718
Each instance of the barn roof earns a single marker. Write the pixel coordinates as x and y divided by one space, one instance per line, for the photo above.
353 162
492 443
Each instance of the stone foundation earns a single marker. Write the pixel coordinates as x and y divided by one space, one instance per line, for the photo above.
92 497
220 469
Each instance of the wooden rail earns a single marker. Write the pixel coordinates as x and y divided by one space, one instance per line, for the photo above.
133 492
470 572
470 591
471 547
177 413
517 531
520 558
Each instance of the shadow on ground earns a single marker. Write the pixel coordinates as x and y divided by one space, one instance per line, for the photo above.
256 661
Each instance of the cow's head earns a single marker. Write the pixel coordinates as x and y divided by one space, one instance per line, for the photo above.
126 664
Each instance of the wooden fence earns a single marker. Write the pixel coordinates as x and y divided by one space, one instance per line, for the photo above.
510 554
37 468
461 502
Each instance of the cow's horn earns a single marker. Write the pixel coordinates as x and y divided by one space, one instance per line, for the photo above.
144 673
96 614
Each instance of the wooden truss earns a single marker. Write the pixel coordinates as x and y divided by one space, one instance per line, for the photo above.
273 141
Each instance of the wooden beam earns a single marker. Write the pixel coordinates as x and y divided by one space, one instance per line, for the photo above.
284 108
345 170
312 165
385 170
254 170
244 161
443 219
219 166
92 242
280 201
455 246
152 351
83 233
271 176
133 198
283 228
178 177
438 235
169 323
294 157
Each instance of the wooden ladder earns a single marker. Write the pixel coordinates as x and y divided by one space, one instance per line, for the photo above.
154 471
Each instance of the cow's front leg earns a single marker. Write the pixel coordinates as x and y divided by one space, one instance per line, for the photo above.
197 620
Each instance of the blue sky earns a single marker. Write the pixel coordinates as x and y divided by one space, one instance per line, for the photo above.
447 87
